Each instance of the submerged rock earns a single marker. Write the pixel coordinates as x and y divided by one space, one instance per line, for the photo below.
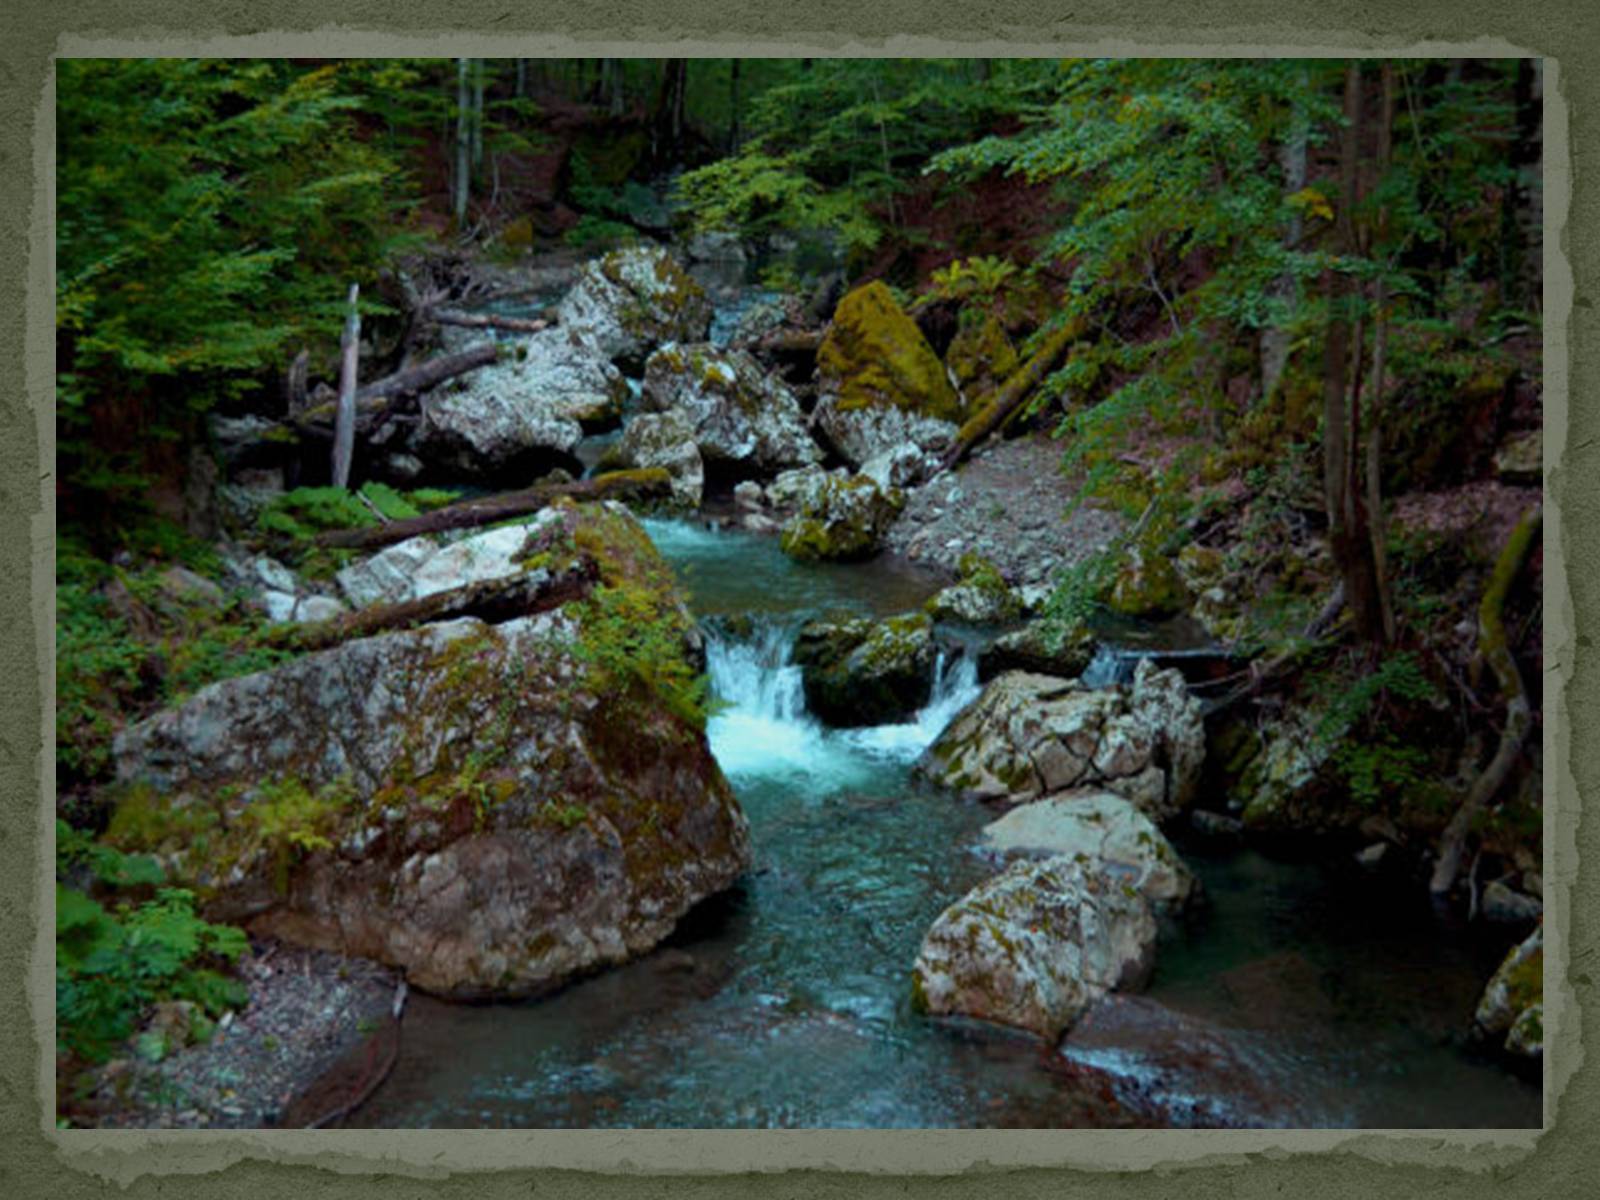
1511 1011
663 440
632 300
1101 830
841 519
862 672
1030 735
529 406
492 808
741 416
881 384
1035 947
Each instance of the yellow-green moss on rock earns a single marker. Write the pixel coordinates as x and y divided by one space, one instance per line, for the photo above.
875 355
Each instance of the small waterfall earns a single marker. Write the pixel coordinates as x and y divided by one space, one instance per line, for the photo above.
764 728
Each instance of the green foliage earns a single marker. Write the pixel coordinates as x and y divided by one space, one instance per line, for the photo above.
111 966
632 640
1360 723
290 818
307 511
973 278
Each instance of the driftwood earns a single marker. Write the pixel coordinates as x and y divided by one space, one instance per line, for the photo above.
490 600
790 341
468 514
1011 394
344 422
1496 650
490 321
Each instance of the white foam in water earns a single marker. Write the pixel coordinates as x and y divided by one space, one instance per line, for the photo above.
764 729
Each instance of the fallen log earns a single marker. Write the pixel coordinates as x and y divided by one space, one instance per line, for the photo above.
1011 394
790 341
490 321
489 600
469 514
375 397
1496 651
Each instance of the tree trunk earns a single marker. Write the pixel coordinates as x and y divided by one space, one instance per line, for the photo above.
469 514
1284 289
1380 343
344 426
733 106
1493 645
478 73
294 385
373 400
490 321
463 142
522 78
1011 393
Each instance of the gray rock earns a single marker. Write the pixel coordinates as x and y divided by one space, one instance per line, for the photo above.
862 435
842 520
422 566
792 490
741 415
183 584
1511 1010
861 672
1521 458
1508 907
1372 857
1030 735
1035 947
273 574
633 300
665 440
1105 832
318 608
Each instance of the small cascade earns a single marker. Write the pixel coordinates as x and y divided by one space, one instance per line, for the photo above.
764 729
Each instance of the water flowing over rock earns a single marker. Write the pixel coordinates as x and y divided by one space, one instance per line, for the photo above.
1105 832
881 384
531 405
1035 947
741 415
1031 735
632 300
665 440
862 672
1512 1009
841 519
492 808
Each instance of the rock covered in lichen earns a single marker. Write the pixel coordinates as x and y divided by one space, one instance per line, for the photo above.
1102 830
881 384
981 357
492 808
841 519
1031 735
1035 947
665 440
632 300
741 415
423 565
860 672
1147 586
1039 647
982 597
1511 1011
533 403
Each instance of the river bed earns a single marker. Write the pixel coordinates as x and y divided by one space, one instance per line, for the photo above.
1298 995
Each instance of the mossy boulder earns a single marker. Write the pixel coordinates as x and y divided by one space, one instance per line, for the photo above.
631 301
1147 586
881 383
841 519
982 597
981 357
860 672
1041 648
1100 829
1027 736
665 440
1035 947
493 809
741 416
1511 1011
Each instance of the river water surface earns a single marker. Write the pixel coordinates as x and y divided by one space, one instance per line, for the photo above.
1297 996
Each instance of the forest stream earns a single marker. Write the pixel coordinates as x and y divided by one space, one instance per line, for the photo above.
1298 995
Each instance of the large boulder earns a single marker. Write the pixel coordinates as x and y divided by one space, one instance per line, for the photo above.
1035 947
1147 586
860 672
493 809
632 300
841 518
881 384
1511 1011
528 409
423 565
1102 830
1030 735
666 440
742 416
1039 647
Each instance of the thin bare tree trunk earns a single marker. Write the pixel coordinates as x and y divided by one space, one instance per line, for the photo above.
344 426
463 142
1284 289
1380 344
477 113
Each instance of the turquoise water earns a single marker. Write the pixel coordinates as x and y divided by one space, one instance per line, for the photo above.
1297 995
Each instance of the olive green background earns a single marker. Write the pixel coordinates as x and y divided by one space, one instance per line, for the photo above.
36 1160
